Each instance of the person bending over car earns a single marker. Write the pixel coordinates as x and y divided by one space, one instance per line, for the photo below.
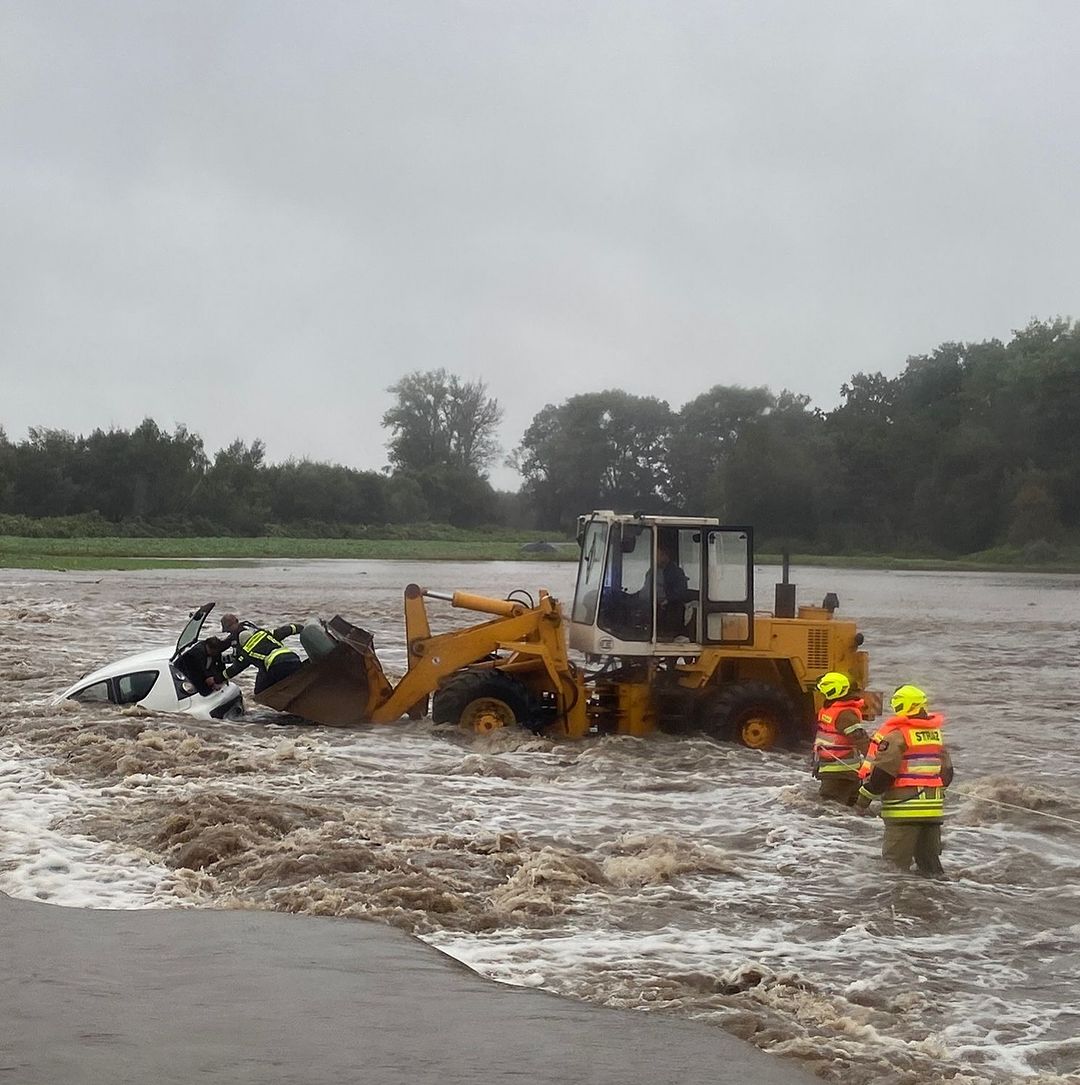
261 648
203 666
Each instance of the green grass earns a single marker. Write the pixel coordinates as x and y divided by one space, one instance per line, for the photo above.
975 563
151 553
129 553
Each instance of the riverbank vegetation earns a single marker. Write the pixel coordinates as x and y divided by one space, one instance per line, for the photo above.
112 552
969 453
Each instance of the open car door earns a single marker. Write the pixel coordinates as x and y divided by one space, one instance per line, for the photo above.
190 633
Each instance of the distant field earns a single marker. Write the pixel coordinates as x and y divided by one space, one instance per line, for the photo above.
125 553
17 552
975 564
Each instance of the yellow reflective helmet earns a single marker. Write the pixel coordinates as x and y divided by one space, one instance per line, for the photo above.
833 685
908 700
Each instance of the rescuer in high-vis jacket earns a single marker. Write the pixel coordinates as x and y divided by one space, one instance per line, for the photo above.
841 742
908 768
261 648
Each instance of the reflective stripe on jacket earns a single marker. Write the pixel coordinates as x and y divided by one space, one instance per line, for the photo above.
834 747
262 648
928 802
917 789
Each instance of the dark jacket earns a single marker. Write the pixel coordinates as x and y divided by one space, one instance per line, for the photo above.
672 585
198 666
672 594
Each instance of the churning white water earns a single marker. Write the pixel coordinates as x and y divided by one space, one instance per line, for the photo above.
669 874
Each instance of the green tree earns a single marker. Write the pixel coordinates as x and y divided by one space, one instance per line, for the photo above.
1033 510
439 419
406 503
235 492
454 494
302 490
44 474
600 449
863 455
703 439
1044 403
144 474
778 472
7 472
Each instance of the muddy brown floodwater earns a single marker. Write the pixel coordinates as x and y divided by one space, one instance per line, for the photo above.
672 875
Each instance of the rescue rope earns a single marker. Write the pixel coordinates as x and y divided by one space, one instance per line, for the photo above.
1023 809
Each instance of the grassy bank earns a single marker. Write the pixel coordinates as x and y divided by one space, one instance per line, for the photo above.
972 564
148 553
125 553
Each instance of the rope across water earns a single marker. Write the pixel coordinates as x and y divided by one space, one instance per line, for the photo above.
1024 809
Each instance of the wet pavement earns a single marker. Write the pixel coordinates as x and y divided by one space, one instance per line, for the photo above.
109 997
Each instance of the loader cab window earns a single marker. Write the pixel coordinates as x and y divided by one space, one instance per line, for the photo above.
626 598
729 602
590 573
678 584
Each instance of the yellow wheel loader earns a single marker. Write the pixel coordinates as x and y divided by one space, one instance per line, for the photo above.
662 633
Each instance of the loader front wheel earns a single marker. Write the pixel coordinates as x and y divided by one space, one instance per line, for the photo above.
753 714
482 701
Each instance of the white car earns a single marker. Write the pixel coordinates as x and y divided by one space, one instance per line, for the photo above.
155 680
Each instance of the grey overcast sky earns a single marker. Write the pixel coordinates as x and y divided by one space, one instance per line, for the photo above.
252 217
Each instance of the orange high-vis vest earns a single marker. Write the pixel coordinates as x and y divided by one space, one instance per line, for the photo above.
923 749
835 751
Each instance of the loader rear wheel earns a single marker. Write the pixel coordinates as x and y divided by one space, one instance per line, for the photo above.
482 701
754 714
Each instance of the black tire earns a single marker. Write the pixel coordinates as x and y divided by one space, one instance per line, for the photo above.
482 701
754 714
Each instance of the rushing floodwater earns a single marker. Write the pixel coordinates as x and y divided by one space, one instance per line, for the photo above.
669 874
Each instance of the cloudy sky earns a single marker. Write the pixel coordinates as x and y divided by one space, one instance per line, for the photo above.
252 217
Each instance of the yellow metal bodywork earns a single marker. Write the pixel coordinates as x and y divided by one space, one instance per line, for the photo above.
635 710
529 643
809 645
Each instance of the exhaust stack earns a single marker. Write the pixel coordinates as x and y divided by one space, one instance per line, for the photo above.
785 592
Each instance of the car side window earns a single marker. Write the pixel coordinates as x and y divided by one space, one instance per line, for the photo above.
134 687
99 691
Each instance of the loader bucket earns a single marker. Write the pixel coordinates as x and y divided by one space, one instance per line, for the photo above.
337 689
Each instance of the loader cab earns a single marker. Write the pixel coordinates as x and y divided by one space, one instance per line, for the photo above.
661 585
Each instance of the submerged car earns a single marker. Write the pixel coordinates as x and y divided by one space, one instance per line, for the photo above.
161 680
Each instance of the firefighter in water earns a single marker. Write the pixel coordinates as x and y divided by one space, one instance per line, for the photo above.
908 768
840 743
261 648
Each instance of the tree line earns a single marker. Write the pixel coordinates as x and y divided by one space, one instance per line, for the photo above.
150 481
973 446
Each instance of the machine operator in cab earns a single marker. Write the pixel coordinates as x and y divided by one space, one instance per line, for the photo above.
840 743
673 591
261 648
908 768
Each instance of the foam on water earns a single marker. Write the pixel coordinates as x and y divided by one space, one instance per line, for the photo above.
43 858
671 875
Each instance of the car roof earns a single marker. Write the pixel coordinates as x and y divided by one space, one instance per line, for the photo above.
151 659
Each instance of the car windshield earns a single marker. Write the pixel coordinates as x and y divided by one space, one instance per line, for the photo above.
194 626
